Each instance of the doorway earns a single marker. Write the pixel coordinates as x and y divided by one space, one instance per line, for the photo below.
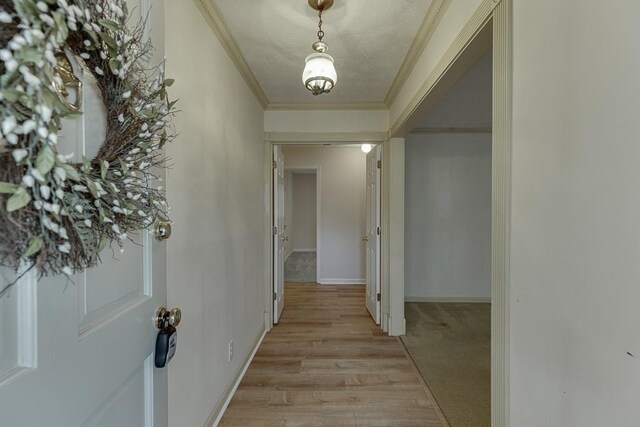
321 187
448 168
302 204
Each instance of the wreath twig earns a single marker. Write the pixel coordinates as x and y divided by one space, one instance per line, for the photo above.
57 214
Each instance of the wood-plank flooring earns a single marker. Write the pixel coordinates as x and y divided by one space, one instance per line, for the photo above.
327 364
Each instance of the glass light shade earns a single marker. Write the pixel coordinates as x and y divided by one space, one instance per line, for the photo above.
319 75
366 148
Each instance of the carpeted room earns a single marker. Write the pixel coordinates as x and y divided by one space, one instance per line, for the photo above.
448 249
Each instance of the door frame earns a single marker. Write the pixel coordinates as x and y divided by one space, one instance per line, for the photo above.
311 139
490 25
317 171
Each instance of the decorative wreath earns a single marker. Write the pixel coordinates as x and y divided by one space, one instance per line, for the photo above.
57 215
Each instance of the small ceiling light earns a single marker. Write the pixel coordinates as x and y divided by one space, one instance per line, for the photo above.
319 75
366 148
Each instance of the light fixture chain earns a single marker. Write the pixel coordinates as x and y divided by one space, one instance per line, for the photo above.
320 32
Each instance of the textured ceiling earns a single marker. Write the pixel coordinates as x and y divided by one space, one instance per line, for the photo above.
468 104
367 38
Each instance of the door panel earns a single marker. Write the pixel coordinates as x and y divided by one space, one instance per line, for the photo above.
279 237
79 352
372 237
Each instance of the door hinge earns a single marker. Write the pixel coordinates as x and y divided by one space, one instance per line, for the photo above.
379 164
275 296
378 297
378 230
274 230
275 164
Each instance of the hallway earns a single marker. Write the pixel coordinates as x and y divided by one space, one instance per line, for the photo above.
327 363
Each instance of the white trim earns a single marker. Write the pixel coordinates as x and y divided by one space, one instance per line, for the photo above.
359 106
431 21
501 211
218 411
305 250
214 19
342 281
395 162
451 130
469 300
315 138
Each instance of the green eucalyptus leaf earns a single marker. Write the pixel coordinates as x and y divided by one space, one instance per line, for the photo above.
7 187
10 95
110 42
61 27
19 200
72 172
123 166
104 168
168 82
34 247
92 187
45 160
104 242
114 65
28 55
86 165
110 24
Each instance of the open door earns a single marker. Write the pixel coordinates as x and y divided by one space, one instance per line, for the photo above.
80 352
279 236
372 239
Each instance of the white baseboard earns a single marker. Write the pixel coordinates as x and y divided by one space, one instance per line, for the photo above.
305 250
342 281
218 410
448 299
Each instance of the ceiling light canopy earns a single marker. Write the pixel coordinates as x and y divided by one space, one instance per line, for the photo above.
319 75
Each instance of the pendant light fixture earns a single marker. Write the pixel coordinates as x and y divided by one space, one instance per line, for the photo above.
319 75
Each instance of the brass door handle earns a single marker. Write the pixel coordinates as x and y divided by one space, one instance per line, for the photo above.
162 229
165 317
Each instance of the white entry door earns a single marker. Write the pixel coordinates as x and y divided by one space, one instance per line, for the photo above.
81 352
372 238
279 233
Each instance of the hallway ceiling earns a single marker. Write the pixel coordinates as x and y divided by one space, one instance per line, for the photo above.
368 39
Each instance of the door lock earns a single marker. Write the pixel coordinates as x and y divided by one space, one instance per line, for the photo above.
167 340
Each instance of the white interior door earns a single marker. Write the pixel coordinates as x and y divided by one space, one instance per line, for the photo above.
279 233
372 237
80 352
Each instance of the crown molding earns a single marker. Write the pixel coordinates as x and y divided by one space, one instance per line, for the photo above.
216 22
423 36
451 130
321 107
324 137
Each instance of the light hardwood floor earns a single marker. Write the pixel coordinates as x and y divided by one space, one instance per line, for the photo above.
327 364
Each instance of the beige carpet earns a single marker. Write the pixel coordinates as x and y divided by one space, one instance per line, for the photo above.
450 344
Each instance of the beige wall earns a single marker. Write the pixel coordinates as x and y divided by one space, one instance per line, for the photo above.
304 212
575 234
216 188
448 216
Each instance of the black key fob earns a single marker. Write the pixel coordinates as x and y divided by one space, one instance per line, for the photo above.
166 343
